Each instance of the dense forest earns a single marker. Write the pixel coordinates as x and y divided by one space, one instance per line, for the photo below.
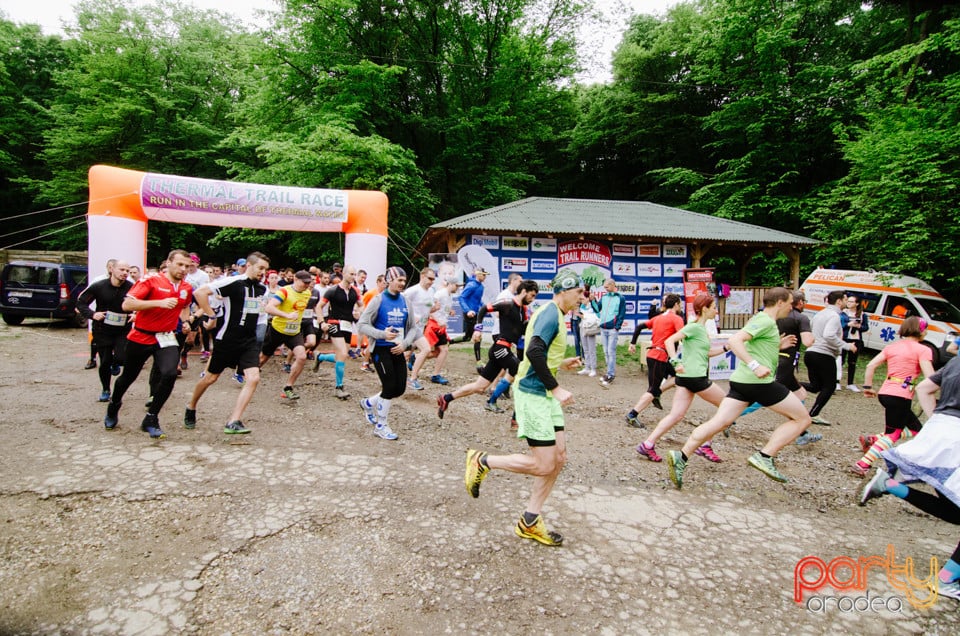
835 119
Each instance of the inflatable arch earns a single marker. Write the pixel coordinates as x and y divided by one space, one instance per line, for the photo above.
122 201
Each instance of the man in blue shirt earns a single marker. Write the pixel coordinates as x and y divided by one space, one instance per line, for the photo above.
611 309
470 300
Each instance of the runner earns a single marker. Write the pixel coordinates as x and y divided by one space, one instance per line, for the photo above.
757 346
692 375
821 358
388 320
110 323
422 300
436 330
933 456
160 302
659 372
500 356
344 306
539 401
471 298
236 338
284 329
906 359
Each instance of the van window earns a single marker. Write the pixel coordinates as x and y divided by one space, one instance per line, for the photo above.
899 307
75 277
868 300
30 275
939 309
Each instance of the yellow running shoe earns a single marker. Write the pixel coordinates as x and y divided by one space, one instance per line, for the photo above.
538 532
475 472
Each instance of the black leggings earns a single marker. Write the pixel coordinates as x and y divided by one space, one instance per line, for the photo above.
165 361
822 369
392 370
849 358
109 354
938 506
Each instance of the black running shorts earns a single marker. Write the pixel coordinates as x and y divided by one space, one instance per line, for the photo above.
766 394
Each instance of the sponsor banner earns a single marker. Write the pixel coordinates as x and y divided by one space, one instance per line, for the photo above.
516 243
673 288
624 269
584 252
543 245
650 289
649 269
699 275
622 249
627 288
631 306
721 367
512 264
543 265
628 326
545 285
648 250
674 251
489 242
673 269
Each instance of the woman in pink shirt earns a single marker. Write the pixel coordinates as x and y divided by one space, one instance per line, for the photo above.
906 359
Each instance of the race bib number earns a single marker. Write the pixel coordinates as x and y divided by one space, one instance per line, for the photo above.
251 306
115 319
292 328
307 314
346 326
166 339
399 338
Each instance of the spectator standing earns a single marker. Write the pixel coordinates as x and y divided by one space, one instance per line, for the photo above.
612 309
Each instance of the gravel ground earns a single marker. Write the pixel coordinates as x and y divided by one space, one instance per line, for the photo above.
311 525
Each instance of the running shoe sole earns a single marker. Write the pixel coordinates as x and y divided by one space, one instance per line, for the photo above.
874 488
475 472
676 466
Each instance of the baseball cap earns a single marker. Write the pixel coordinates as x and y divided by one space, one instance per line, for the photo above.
393 273
241 262
450 279
304 276
567 282
481 271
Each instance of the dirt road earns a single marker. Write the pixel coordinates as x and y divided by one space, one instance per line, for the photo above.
313 525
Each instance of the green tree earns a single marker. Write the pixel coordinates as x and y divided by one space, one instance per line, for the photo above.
28 60
897 207
471 88
151 88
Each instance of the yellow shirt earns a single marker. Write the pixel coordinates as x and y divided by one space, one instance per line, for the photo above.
290 300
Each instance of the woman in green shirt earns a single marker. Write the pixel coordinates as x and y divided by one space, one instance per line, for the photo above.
692 374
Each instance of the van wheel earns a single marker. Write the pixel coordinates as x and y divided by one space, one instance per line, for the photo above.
12 320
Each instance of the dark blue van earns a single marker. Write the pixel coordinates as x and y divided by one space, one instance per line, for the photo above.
35 289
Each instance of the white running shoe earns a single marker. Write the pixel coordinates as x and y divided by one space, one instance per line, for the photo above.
853 387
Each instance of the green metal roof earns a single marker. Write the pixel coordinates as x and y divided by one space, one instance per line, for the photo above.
634 219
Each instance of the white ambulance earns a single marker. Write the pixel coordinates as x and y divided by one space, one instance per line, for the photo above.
887 299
